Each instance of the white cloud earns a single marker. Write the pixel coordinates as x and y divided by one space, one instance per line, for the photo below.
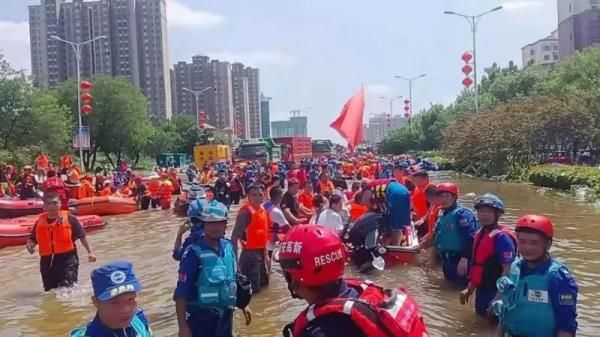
378 89
14 43
522 5
180 15
258 59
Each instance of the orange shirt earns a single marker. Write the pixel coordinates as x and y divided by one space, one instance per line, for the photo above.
105 192
306 199
432 218
86 190
419 201
326 187
357 210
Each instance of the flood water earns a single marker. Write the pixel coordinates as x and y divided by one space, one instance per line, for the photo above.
146 238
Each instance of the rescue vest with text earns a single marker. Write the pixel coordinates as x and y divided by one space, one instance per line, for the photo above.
141 330
54 239
377 312
447 237
216 283
527 308
486 269
257 232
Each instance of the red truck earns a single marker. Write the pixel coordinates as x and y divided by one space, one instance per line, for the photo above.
294 149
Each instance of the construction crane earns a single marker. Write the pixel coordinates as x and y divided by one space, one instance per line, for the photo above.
296 112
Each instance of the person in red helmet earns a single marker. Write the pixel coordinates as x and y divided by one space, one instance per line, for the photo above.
539 294
313 259
454 234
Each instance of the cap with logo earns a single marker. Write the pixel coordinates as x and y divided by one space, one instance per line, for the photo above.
114 279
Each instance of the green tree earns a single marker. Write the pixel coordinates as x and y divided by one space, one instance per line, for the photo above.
119 122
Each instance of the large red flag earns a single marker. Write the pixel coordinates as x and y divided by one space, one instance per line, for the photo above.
349 123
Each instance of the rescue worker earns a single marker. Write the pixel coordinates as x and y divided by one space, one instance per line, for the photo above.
251 229
222 189
207 292
325 185
356 208
278 224
494 250
53 184
389 197
192 224
55 232
426 226
539 294
115 298
312 259
419 201
26 184
454 234
86 188
166 191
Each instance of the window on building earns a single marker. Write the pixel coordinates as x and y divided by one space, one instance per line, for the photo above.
546 57
555 57
546 48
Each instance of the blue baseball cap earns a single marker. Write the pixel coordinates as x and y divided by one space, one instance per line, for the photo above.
114 279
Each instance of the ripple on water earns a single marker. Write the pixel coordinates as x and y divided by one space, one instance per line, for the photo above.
146 238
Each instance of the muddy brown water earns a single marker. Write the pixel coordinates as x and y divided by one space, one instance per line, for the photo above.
146 238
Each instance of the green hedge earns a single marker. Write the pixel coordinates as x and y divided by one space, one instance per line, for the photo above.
564 176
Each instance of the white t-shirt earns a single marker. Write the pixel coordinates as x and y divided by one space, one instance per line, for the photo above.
330 219
277 217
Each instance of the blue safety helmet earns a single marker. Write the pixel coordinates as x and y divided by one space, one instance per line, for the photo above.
489 200
214 211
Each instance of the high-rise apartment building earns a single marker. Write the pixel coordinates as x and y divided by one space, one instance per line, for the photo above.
135 45
241 100
199 75
578 25
253 76
296 126
378 128
265 116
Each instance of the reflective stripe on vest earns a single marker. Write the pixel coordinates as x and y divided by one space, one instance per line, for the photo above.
529 302
216 283
141 330
55 239
484 255
257 231
447 237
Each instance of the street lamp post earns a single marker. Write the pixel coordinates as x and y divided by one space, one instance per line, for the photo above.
197 94
474 21
392 103
410 81
77 49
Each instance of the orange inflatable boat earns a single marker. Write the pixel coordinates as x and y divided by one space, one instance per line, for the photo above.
13 208
103 206
15 232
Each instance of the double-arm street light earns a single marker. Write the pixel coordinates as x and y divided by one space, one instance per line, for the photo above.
391 103
410 81
77 49
197 94
474 21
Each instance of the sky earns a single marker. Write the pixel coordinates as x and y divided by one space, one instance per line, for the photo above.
314 55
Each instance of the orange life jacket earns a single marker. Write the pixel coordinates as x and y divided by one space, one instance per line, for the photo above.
154 188
166 189
419 201
357 210
257 232
105 192
306 200
54 239
432 218
486 269
86 190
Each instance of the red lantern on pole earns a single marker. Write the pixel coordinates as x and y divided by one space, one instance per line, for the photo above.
85 85
86 109
466 57
467 82
406 102
389 120
467 69
406 115
406 108
87 98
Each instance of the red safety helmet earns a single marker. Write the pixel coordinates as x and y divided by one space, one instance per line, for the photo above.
312 255
537 223
448 187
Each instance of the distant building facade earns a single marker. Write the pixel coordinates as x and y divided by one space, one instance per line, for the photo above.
136 45
377 128
578 25
265 116
542 52
296 126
